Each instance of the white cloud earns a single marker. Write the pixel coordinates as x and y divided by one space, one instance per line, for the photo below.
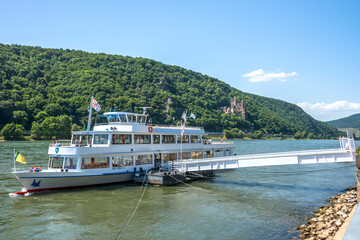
330 111
261 76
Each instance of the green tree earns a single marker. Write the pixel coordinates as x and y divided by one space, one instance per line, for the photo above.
310 136
281 135
13 131
241 134
20 117
251 135
75 127
65 126
297 135
50 128
36 130
53 109
258 134
40 117
235 132
228 134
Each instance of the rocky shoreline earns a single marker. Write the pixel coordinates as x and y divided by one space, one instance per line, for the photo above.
328 219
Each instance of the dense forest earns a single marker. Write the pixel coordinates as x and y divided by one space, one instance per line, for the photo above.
42 89
352 121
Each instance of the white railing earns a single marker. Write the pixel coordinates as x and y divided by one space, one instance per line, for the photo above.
169 166
175 126
225 142
343 154
60 144
347 143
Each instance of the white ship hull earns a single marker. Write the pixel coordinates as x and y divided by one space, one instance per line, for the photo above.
54 180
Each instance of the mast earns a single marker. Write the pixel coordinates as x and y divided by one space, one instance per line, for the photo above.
182 135
90 112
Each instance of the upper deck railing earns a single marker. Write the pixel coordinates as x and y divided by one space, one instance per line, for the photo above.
149 124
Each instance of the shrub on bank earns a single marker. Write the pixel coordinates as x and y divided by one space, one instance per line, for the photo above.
13 131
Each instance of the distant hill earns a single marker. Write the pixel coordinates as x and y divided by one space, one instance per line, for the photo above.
37 82
348 122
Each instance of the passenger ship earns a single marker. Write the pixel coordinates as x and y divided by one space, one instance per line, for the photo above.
115 151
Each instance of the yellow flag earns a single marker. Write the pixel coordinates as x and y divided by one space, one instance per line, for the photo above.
19 157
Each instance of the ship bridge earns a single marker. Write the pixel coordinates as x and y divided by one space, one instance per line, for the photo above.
122 121
125 118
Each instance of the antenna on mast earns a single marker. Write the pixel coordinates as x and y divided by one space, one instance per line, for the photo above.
145 109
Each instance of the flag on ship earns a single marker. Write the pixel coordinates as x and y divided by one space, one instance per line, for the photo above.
225 137
192 115
19 157
96 106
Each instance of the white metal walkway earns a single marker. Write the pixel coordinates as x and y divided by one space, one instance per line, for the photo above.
346 153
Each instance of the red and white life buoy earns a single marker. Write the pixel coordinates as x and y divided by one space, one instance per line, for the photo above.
35 169
151 129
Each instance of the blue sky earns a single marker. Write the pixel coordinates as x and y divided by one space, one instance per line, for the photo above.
304 52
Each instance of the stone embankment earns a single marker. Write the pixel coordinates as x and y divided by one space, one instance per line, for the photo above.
328 219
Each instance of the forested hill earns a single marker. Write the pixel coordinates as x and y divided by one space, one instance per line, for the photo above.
352 121
36 83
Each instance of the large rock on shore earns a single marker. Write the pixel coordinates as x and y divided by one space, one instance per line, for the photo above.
328 219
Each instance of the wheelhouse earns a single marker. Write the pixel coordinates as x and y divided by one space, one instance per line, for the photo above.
125 118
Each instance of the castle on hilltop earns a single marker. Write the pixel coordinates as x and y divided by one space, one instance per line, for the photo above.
236 107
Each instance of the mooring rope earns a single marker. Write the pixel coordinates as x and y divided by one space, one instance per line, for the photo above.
189 184
133 209
197 174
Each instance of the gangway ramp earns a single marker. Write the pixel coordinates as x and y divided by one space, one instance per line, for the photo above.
346 153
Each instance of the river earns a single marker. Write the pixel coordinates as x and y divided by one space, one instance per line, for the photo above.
250 203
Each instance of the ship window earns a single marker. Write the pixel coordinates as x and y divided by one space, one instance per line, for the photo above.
113 118
195 139
122 161
156 139
141 119
100 138
121 139
122 117
70 163
157 156
94 162
185 155
209 154
169 157
142 139
168 138
81 140
131 118
143 159
57 162
197 155
185 139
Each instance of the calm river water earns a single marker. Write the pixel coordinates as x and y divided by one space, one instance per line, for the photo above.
253 203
